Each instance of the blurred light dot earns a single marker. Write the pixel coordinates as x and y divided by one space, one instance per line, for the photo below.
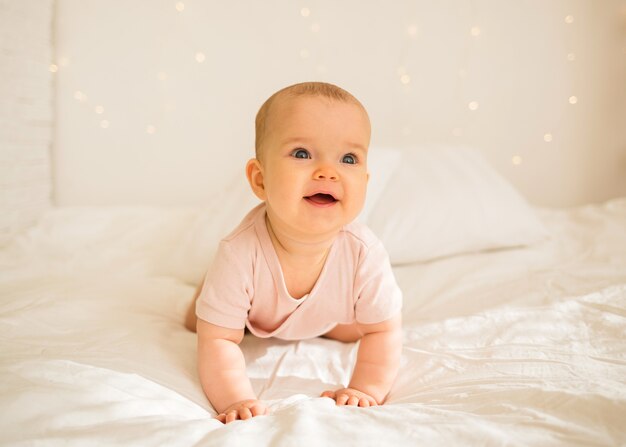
150 129
547 137
80 95
99 110
405 78
162 76
412 30
573 100
315 27
475 31
516 160
304 53
473 105
304 12
180 6
571 57
200 57
54 68
569 19
104 124
457 131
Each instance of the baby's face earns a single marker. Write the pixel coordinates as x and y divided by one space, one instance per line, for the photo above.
314 163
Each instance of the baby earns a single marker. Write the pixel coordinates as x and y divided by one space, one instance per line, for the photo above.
298 266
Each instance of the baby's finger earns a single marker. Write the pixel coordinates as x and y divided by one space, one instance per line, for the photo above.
245 413
342 399
258 410
231 416
363 402
330 394
221 417
353 400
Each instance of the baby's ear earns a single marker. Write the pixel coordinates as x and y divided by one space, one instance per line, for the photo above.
254 173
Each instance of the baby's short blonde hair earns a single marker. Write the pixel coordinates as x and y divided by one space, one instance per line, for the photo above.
324 89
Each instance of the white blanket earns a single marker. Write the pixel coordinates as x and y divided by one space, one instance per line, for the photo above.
512 347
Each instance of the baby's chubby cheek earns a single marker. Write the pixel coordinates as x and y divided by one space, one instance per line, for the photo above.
358 197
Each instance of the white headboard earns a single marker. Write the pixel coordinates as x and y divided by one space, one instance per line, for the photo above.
26 113
156 100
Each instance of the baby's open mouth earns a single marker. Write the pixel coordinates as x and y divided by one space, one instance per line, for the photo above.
321 199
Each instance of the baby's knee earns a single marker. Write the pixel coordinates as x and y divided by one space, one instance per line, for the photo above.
190 323
190 318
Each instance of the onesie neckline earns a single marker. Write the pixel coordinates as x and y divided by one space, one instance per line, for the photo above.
274 263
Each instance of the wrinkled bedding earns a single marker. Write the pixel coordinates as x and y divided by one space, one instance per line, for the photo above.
522 346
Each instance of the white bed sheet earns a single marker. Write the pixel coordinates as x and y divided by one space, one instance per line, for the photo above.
511 347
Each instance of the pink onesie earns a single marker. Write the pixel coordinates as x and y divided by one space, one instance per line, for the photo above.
245 287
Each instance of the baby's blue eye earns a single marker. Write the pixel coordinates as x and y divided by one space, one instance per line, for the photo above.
301 153
349 159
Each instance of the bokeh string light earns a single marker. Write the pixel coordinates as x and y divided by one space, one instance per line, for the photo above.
411 33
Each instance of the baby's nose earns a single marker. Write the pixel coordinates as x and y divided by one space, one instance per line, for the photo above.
325 172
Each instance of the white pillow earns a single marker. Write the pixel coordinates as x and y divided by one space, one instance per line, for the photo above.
195 248
381 164
443 201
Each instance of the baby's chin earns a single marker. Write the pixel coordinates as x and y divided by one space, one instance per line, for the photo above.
313 226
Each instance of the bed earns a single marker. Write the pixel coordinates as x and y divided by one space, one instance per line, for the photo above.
516 342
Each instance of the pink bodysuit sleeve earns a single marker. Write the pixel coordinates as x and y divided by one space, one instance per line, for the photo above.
225 296
378 295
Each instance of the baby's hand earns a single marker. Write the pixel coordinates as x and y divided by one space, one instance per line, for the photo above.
350 396
243 410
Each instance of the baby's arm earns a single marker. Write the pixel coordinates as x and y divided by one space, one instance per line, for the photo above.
377 364
222 372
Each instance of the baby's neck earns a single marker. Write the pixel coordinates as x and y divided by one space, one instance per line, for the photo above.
296 247
301 257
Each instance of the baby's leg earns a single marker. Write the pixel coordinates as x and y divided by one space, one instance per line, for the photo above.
346 333
190 318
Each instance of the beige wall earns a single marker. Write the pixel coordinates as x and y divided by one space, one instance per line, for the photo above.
178 90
